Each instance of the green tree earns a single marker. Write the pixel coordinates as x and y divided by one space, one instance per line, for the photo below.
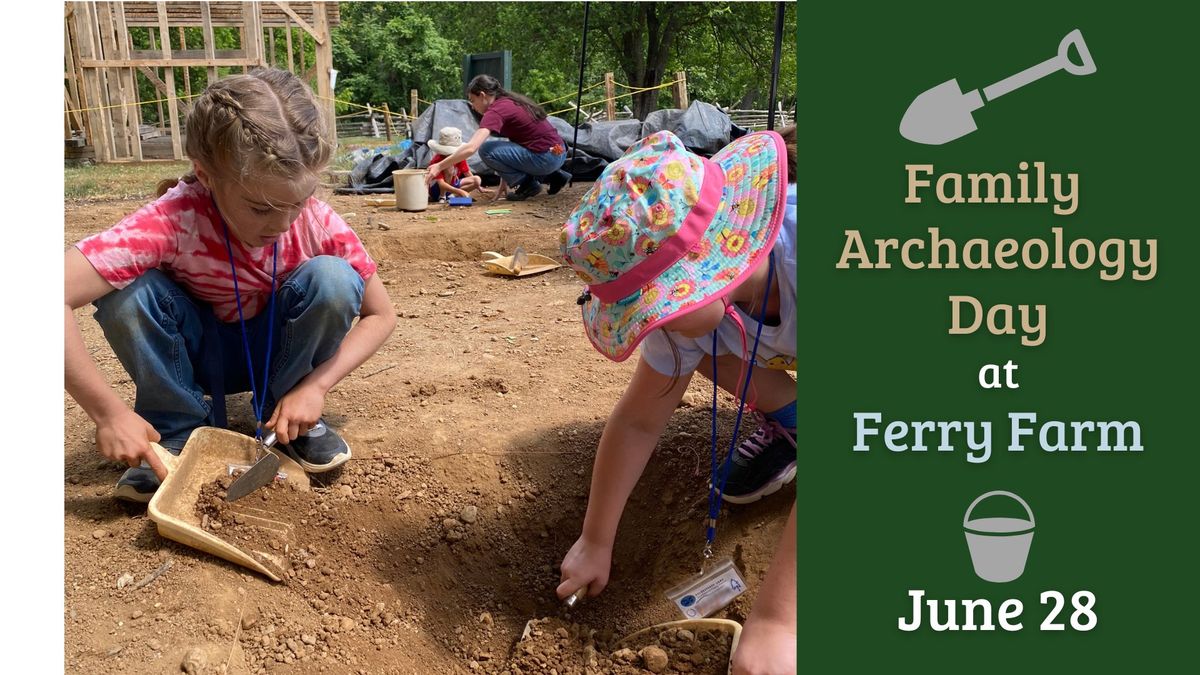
383 50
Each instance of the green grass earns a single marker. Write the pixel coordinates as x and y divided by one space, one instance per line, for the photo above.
108 182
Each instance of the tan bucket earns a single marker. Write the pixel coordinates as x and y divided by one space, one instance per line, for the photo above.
412 192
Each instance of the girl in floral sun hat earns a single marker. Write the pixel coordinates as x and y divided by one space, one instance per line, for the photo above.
687 257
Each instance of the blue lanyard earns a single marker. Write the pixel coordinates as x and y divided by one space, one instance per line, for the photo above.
716 488
258 399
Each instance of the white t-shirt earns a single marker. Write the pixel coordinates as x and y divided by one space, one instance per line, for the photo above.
776 347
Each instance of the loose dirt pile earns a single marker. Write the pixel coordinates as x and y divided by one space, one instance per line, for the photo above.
554 645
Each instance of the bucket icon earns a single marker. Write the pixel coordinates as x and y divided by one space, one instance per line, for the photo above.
998 546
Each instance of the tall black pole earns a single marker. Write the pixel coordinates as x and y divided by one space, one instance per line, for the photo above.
779 8
579 95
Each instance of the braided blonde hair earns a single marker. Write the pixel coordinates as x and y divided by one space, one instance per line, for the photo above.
265 122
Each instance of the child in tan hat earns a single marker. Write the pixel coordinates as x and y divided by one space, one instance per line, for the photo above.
457 179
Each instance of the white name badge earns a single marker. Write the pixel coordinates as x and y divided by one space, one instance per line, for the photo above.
708 592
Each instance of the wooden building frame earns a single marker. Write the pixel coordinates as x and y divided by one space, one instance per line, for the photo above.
102 68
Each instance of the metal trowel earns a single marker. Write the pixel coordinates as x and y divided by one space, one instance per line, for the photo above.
262 473
944 113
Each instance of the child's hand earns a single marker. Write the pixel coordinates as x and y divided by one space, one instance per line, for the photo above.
126 438
297 412
586 564
767 647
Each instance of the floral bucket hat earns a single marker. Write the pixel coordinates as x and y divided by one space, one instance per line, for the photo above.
664 232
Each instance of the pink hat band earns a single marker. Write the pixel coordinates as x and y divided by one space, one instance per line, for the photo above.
674 247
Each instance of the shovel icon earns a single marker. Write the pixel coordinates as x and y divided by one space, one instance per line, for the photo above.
944 113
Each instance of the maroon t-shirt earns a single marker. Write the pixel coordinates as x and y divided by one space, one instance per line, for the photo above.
505 117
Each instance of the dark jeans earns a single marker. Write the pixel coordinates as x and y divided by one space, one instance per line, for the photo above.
515 163
173 347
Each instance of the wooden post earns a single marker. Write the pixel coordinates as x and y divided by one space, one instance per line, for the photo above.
210 50
162 119
250 33
75 96
271 46
610 91
287 22
371 120
172 102
85 43
679 91
102 95
387 121
413 103
129 90
80 85
116 93
324 65
187 72
300 44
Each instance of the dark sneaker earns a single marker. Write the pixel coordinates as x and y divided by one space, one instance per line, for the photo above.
556 181
762 464
319 449
138 484
529 188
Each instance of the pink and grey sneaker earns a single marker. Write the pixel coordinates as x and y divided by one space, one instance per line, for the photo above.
763 463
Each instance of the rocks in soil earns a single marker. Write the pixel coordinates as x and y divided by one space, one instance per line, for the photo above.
124 580
99 534
469 514
654 658
194 661
571 648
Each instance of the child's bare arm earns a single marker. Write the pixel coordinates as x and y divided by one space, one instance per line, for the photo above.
628 440
121 434
300 408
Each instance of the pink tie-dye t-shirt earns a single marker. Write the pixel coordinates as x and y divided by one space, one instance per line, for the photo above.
181 235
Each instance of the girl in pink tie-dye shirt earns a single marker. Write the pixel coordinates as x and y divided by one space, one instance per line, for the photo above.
235 279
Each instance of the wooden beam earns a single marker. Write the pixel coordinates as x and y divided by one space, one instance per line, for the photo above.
271 47
80 87
324 65
300 68
116 93
129 92
162 119
314 32
72 85
610 90
209 44
187 72
291 67
167 62
172 104
252 33
85 42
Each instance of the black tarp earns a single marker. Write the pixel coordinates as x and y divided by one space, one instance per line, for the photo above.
703 128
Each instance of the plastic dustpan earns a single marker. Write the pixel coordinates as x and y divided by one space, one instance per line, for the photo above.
732 627
519 264
207 456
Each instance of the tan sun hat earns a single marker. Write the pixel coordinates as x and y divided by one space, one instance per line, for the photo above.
449 138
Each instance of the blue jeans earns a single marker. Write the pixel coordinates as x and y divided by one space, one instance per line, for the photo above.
515 163
176 352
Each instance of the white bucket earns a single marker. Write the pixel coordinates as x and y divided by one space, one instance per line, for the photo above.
412 192
999 546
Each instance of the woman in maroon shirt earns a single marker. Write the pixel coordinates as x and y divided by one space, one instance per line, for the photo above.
533 153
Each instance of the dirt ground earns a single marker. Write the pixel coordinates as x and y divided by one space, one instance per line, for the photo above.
473 432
